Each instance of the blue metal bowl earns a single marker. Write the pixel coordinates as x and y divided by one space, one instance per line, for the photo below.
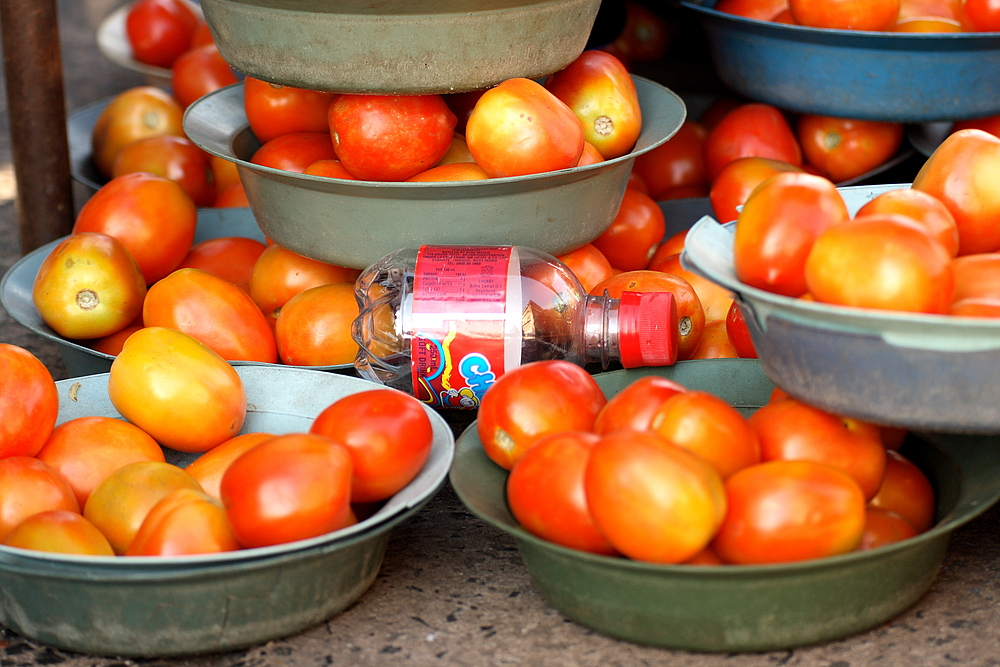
902 77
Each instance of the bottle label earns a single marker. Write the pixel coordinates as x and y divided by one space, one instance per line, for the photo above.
461 336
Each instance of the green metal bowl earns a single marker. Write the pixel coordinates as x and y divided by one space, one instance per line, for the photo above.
736 607
146 606
397 48
355 223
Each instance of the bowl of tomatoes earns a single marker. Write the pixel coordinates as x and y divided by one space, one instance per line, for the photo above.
929 372
912 77
738 607
353 223
169 605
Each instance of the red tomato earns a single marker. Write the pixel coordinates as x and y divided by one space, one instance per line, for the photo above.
159 31
634 234
29 402
881 260
531 401
329 169
199 71
184 522
784 511
176 158
600 91
645 36
845 14
142 111
519 127
845 148
213 311
753 129
762 10
59 531
462 104
28 486
388 435
273 109
984 14
790 430
677 162
739 333
906 491
295 151
390 137
290 487
454 171
654 501
737 180
958 173
590 155
152 216
948 10
989 124
883 527
208 468
228 257
546 495
977 276
633 407
776 229
923 208
709 427
715 299
588 264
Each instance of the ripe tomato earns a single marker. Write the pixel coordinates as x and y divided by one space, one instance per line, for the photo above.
989 124
633 407
883 527
690 313
177 389
86 450
715 299
753 129
734 183
983 14
709 427
59 531
600 91
112 344
762 10
197 72
777 227
977 276
531 401
654 501
213 311
519 127
208 468
588 264
230 197
739 333
388 435
119 504
139 112
176 158
28 486
462 104
715 343
646 34
390 137
88 286
313 328
151 215
455 171
906 491
295 152
273 109
784 511
881 260
677 162
926 24
961 172
29 402
228 257
590 155
159 31
790 430
845 148
224 172
279 274
925 209
949 10
186 521
289 487
546 495
845 14
330 169
458 151
634 234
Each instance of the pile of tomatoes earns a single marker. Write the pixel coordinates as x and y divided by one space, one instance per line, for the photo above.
923 16
101 486
665 474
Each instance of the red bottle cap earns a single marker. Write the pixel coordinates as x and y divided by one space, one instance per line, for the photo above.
647 329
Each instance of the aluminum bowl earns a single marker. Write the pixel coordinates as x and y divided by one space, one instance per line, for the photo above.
17 283
904 77
146 606
737 607
355 223
394 48
924 372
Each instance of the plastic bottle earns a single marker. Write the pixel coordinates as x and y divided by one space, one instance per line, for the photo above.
443 322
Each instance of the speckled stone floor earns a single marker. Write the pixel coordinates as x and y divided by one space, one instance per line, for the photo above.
455 591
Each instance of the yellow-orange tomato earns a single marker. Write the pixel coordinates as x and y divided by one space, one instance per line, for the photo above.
926 209
210 466
588 264
86 450
845 14
112 343
185 521
89 286
119 504
29 402
715 342
177 389
213 310
454 171
314 327
715 299
279 274
28 486
229 257
458 151
59 531
139 112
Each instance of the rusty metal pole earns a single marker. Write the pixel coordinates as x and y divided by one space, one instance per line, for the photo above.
36 103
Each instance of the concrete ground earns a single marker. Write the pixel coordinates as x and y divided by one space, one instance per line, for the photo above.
455 591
